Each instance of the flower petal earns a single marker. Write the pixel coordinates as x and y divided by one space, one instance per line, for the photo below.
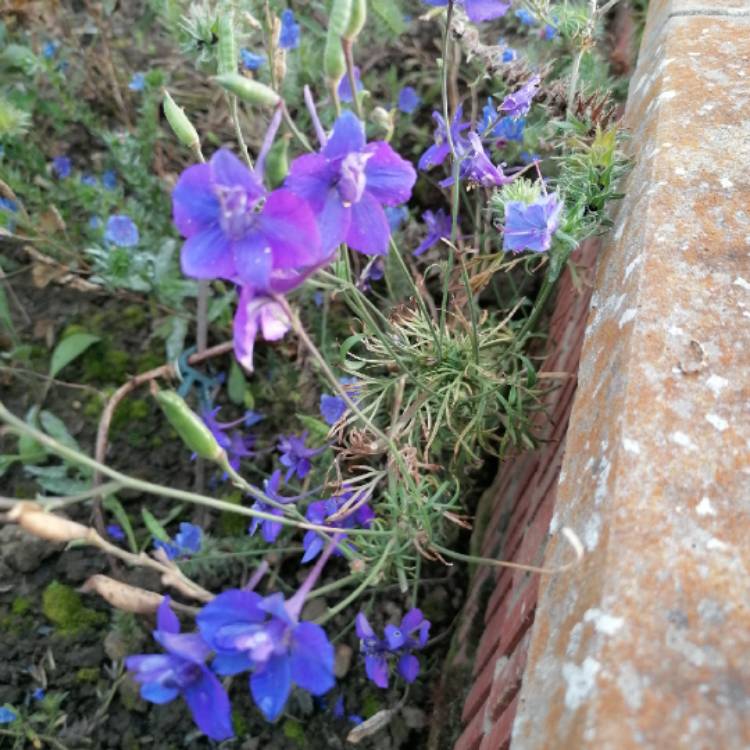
229 607
166 620
155 692
389 177
209 704
194 204
411 620
408 667
334 220
485 10
363 627
270 686
245 330
189 646
348 135
228 171
231 662
369 231
313 545
311 658
311 176
377 670
253 259
435 155
394 637
208 255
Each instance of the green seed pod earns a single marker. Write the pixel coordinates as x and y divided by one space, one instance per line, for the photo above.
277 162
190 427
357 20
227 48
179 122
339 17
248 90
334 62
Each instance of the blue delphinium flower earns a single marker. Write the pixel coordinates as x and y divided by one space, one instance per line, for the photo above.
477 167
408 100
345 90
438 226
89 180
251 60
437 153
114 531
478 10
137 82
525 17
62 166
531 227
186 542
506 128
182 671
49 49
332 408
399 642
236 445
269 530
319 513
289 35
121 231
348 185
518 103
7 715
295 455
236 230
109 179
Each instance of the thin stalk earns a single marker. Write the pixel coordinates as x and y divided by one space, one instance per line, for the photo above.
234 109
348 47
333 586
296 132
54 503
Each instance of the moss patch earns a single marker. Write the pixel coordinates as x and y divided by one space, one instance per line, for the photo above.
63 606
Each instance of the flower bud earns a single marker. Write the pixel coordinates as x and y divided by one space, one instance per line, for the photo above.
357 19
189 426
334 62
123 596
227 47
248 90
339 17
384 120
179 122
277 162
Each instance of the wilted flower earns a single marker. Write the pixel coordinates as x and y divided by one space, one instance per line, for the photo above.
289 35
255 314
182 671
296 456
478 10
236 230
408 100
399 642
62 166
438 226
531 227
349 183
518 103
251 60
121 231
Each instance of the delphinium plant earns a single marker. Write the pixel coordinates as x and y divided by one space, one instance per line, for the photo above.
421 345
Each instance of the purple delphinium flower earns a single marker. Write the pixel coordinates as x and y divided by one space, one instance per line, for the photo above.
186 542
296 456
7 715
269 530
478 10
236 445
506 128
109 179
349 183
289 35
531 227
438 226
332 408
408 100
255 314
399 642
318 513
236 230
62 166
345 90
437 153
525 17
137 82
477 168
518 103
251 60
182 671
114 531
248 631
121 231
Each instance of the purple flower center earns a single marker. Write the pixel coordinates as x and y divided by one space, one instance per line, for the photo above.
352 178
237 210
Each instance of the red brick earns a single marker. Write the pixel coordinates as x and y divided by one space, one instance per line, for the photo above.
472 736
508 681
480 691
499 737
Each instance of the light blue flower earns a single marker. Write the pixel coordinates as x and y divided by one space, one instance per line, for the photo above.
121 231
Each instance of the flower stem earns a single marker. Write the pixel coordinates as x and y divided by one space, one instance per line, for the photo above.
348 47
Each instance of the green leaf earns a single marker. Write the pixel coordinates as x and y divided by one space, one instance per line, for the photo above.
55 427
175 341
317 428
154 527
69 349
114 506
389 11
6 461
31 451
236 384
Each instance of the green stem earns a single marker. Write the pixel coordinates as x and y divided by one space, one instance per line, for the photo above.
348 47
328 587
235 110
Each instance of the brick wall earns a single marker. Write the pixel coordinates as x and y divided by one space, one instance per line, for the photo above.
520 505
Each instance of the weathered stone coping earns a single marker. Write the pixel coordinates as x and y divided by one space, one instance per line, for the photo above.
647 643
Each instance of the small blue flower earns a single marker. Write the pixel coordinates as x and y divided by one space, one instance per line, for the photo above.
251 60
289 36
109 179
114 531
172 551
550 32
269 530
526 18
62 166
6 204
438 227
189 538
345 89
137 82
38 694
509 55
95 223
408 100
332 408
88 179
531 227
49 49
507 128
295 455
121 231
7 715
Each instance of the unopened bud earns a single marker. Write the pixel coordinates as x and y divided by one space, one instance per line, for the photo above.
334 62
227 46
248 90
384 120
357 19
189 426
179 122
277 162
339 17
122 595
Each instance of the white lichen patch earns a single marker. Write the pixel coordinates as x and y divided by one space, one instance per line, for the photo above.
718 422
726 183
591 532
631 446
742 283
627 316
716 384
631 686
579 681
603 623
705 507
681 439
